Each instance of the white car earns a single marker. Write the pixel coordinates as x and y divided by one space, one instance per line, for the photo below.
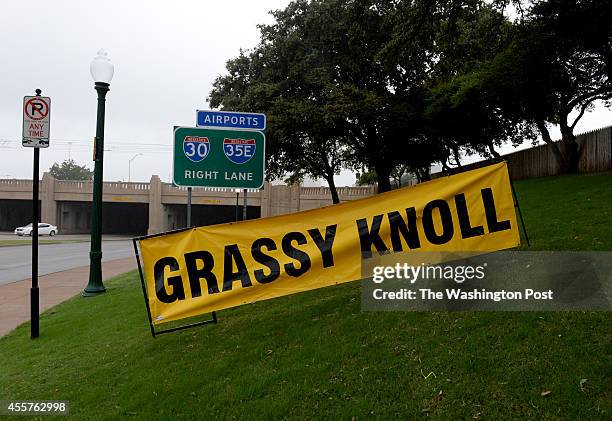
43 229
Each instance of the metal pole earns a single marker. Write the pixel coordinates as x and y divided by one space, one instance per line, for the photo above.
518 208
34 292
95 285
189 207
244 206
237 205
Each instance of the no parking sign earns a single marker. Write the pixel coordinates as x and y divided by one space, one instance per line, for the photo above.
36 121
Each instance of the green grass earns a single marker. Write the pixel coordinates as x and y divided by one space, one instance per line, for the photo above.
317 356
12 243
570 212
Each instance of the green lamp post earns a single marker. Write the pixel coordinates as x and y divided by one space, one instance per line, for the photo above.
102 71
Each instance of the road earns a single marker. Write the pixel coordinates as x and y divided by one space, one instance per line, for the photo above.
16 262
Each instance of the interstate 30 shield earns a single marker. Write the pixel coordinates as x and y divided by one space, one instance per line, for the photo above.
196 148
239 151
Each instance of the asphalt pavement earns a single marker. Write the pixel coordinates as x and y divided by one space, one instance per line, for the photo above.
16 261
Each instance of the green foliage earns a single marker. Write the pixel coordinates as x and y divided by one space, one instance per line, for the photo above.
318 76
558 63
380 83
70 170
367 178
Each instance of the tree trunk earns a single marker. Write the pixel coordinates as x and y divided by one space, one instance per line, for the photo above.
332 189
570 149
493 151
456 155
383 173
562 159
425 174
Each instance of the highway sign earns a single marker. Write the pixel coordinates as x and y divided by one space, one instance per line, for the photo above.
36 118
230 120
218 158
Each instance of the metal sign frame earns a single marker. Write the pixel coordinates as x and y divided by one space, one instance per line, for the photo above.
154 332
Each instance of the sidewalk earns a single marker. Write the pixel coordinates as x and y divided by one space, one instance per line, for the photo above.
54 288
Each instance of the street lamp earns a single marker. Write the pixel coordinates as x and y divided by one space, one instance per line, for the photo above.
102 71
130 166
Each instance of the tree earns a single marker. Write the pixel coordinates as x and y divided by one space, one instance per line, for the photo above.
558 64
463 112
366 178
70 170
332 98
286 77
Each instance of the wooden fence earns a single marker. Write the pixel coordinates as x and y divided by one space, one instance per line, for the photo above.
539 161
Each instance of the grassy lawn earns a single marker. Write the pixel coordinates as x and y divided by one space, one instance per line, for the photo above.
316 355
571 212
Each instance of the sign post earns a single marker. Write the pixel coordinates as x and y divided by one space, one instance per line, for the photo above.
189 207
36 119
234 121
244 206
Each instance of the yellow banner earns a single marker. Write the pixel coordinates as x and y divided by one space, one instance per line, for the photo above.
200 270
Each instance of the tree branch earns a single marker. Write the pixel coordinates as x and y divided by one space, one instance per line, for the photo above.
604 89
584 108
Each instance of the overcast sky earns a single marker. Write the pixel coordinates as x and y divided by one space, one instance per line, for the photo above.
166 56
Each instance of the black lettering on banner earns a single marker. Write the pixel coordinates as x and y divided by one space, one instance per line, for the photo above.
232 254
446 218
325 246
407 229
489 205
296 254
369 238
195 274
266 260
467 230
176 282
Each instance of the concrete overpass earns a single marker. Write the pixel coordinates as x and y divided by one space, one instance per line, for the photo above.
139 208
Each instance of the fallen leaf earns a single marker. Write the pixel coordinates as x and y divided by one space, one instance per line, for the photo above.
582 383
546 393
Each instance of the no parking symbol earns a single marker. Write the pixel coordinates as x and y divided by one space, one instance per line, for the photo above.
36 121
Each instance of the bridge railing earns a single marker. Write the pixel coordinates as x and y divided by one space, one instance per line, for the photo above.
65 186
123 186
16 185
171 189
70 186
